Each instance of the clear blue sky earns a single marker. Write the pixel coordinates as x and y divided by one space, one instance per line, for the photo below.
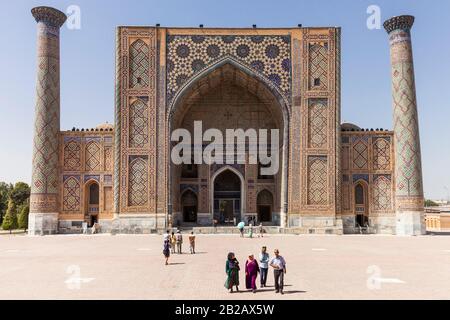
87 65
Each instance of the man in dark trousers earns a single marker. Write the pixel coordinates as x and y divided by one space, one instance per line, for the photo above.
279 270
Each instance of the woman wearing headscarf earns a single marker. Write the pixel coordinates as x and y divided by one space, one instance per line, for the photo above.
232 270
251 272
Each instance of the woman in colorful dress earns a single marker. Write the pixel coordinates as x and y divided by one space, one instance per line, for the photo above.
232 270
251 272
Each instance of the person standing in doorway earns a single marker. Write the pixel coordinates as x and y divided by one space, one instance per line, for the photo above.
263 266
192 243
179 240
279 270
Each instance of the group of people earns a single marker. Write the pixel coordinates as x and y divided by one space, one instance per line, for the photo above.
174 242
252 268
241 227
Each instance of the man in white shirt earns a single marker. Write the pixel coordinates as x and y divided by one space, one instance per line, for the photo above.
279 270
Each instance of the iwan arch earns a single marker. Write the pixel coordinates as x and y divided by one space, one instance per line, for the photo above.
332 177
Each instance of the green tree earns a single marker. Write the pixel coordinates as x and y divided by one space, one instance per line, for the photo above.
5 190
20 193
22 220
430 203
10 219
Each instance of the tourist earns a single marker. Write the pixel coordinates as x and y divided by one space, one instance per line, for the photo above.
166 250
166 236
232 270
179 241
250 231
263 266
261 230
279 270
173 241
251 272
241 226
192 243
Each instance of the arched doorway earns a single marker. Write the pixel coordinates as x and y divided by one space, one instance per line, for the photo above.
361 205
264 206
228 95
92 202
227 197
189 206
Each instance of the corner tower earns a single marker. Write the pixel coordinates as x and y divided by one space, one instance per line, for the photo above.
409 199
44 183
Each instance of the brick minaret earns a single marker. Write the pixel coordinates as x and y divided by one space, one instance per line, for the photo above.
408 169
44 183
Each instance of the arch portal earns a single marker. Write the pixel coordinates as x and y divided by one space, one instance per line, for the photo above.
92 202
228 95
227 195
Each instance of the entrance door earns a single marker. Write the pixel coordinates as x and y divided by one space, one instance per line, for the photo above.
227 198
228 210
264 213
361 205
265 204
92 203
189 205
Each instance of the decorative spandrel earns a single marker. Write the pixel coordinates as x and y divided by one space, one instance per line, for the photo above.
269 56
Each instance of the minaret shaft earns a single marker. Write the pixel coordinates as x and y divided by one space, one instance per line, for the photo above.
45 176
409 197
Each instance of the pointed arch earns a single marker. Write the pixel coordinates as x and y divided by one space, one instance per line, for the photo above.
229 60
242 186
264 87
189 205
139 64
361 202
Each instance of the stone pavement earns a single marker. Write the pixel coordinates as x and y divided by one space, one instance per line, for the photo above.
132 267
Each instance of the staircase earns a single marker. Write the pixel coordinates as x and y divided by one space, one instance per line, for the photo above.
269 230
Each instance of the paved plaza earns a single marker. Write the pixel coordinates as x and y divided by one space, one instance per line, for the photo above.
132 267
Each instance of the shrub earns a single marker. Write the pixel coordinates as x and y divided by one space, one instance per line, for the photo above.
10 218
22 220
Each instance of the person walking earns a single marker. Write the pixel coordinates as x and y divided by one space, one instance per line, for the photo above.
166 250
173 241
250 231
179 241
279 270
263 266
192 243
251 272
232 270
261 230
166 236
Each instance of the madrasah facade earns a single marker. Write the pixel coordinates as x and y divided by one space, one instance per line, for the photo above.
332 178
